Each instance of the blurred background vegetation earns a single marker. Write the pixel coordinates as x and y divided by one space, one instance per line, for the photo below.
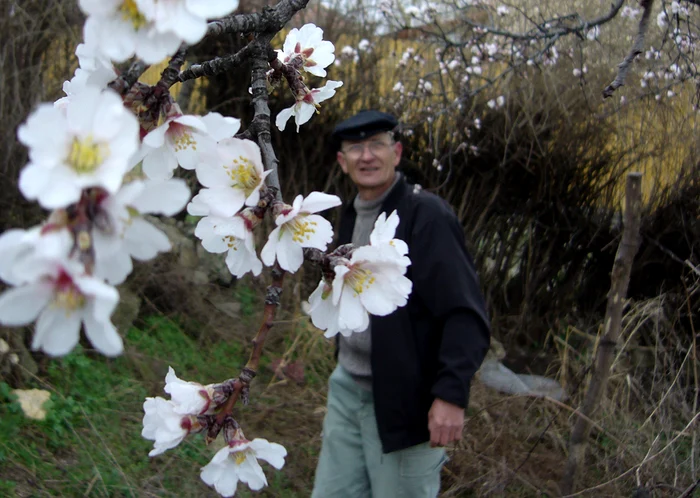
536 183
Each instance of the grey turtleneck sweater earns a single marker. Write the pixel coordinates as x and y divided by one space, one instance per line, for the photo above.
354 351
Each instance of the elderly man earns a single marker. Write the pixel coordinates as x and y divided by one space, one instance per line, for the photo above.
399 392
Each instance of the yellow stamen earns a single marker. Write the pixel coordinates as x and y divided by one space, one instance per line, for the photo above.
69 299
359 279
232 242
86 155
243 174
83 240
185 141
130 13
239 457
302 229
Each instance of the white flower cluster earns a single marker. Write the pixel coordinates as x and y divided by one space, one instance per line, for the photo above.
305 49
371 281
62 272
150 29
100 162
168 421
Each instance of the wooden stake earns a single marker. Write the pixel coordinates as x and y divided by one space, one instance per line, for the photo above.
619 282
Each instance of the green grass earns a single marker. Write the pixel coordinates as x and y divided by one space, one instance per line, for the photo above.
90 442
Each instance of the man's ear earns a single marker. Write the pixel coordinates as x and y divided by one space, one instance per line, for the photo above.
341 160
398 150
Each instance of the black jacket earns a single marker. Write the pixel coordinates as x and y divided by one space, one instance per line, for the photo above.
432 347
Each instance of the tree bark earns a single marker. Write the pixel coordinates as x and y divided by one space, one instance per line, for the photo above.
622 267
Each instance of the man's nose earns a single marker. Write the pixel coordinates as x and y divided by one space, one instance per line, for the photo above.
366 153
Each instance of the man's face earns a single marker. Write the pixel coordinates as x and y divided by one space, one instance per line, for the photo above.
371 162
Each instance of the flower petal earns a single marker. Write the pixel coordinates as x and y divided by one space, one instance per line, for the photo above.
318 201
21 305
144 241
167 197
57 331
269 250
208 9
103 335
220 127
272 453
282 118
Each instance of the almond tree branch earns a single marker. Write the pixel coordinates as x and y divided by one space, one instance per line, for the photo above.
170 74
240 388
262 54
552 28
126 80
271 19
637 48
217 65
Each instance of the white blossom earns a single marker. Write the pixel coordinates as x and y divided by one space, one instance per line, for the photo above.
662 20
232 177
163 425
297 228
502 10
307 46
25 254
233 236
61 298
88 145
238 461
150 29
94 70
121 233
372 281
189 398
184 140
306 105
629 12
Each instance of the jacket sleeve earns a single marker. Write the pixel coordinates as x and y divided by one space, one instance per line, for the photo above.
445 279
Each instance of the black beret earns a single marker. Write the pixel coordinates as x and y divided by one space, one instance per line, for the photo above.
364 124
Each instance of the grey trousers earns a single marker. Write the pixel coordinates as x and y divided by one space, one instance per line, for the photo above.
352 465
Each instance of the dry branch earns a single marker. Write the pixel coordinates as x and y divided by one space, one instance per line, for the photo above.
622 268
637 49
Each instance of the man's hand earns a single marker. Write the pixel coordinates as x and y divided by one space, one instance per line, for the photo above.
445 423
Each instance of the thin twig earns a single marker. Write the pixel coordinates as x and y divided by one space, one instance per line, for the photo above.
643 462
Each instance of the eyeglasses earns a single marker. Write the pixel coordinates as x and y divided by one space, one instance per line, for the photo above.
376 148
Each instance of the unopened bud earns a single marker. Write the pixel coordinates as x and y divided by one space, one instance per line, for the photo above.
232 431
235 436
14 359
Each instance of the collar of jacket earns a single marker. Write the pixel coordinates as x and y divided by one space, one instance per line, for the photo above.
347 222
